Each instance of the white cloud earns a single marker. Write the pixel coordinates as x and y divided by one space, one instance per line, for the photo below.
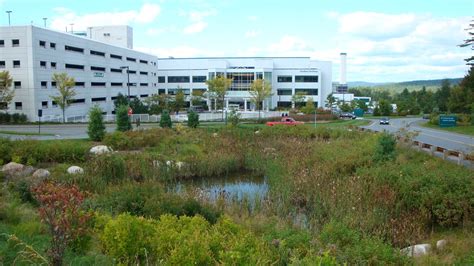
179 51
252 18
197 20
64 17
251 34
289 45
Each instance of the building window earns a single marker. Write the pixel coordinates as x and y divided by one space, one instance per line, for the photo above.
97 53
18 105
44 84
106 34
178 79
116 84
161 91
72 66
115 56
43 64
15 42
199 79
53 65
16 64
99 99
73 49
306 78
98 84
53 84
132 72
143 73
44 105
77 101
42 44
80 84
285 79
307 91
52 45
144 62
161 79
116 70
2 43
2 64
143 84
17 84
131 59
94 68
284 92
144 96
284 104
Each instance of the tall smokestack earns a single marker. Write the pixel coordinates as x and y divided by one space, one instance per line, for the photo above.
343 68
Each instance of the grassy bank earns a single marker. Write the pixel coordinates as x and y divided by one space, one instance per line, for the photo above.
21 133
466 130
335 196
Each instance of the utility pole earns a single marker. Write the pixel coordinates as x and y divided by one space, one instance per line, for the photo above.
72 31
9 12
128 80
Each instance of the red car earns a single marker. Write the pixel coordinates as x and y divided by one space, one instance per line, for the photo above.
285 121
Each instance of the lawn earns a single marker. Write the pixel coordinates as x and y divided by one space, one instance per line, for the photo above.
466 130
9 132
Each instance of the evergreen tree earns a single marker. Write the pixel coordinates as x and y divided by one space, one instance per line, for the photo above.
120 100
193 119
165 120
122 119
442 96
376 111
96 127
385 108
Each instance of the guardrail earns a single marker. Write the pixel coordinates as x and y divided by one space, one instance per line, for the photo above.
432 149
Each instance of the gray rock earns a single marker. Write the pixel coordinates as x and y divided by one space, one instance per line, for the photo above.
73 170
12 168
441 244
100 149
41 174
416 250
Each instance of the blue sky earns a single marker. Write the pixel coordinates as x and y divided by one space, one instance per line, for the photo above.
385 40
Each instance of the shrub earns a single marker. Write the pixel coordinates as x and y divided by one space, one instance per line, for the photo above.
165 119
193 119
118 141
6 147
385 149
109 168
60 210
59 151
234 117
122 119
96 127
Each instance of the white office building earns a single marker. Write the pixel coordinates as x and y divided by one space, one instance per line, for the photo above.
99 65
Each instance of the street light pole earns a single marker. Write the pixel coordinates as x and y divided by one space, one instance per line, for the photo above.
9 12
128 81
44 19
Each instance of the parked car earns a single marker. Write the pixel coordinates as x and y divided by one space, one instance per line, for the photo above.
347 115
384 121
285 121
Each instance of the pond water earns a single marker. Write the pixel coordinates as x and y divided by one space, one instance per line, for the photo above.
233 187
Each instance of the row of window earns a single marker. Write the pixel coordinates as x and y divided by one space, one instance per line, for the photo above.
44 84
103 54
15 43
305 78
283 92
182 79
15 64
52 45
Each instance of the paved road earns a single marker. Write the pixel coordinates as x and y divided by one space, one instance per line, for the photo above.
439 138
67 131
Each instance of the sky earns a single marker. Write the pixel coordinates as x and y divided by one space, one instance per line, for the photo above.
385 41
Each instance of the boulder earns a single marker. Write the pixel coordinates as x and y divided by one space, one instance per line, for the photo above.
100 149
257 132
215 135
73 170
441 244
13 168
417 250
41 174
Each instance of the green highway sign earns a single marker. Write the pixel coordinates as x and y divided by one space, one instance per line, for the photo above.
447 120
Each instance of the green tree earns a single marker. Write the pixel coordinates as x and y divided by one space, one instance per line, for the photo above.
138 106
197 97
298 99
65 86
469 42
330 100
122 119
362 105
193 119
96 127
6 94
385 107
259 91
345 107
309 108
385 149
442 95
377 111
218 86
179 100
165 120
120 100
